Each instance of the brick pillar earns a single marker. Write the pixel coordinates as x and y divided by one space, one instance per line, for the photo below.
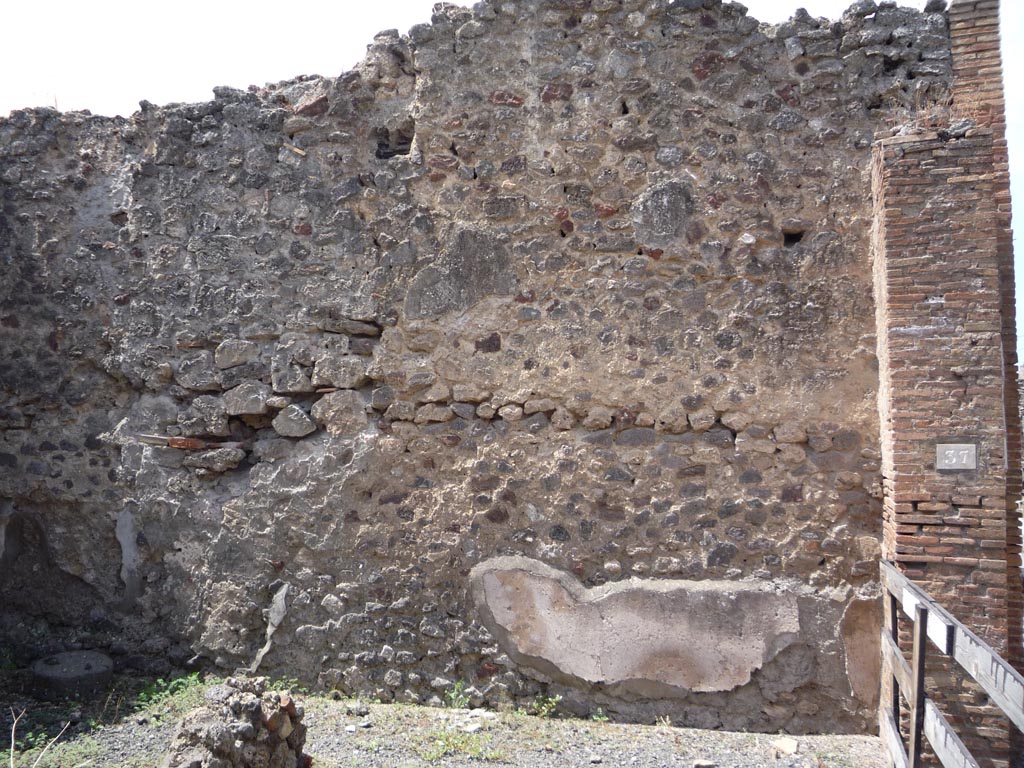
978 95
943 267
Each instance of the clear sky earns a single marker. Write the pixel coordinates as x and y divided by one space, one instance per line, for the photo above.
107 55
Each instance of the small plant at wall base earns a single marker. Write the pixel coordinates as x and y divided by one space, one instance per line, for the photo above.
545 706
440 743
291 684
456 697
161 689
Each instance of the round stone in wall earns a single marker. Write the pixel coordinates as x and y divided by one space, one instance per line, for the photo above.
73 673
661 214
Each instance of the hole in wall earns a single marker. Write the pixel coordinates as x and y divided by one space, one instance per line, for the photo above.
790 239
395 140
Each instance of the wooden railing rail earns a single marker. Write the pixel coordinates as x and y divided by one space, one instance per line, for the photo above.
1003 684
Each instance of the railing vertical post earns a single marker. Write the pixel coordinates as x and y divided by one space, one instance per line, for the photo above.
894 630
917 695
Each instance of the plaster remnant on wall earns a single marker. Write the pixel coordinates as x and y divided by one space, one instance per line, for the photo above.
275 615
861 629
475 264
126 535
640 634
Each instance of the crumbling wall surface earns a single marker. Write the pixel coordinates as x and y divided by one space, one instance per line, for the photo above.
582 282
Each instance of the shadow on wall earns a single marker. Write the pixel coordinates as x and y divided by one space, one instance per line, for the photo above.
31 584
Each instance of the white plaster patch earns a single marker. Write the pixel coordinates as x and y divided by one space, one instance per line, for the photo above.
697 636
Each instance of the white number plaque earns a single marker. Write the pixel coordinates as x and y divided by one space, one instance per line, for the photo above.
956 456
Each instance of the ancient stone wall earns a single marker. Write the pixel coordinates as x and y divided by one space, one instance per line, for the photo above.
582 282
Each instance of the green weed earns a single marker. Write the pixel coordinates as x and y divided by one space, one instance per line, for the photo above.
292 684
455 697
440 743
160 690
545 706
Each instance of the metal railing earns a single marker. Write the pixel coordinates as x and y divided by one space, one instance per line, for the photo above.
1003 684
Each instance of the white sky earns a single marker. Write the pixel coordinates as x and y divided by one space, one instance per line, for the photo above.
107 55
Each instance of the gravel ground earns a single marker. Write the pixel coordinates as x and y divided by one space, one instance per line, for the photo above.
345 733
417 737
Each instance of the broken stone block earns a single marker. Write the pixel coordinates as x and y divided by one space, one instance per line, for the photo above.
401 410
540 405
561 419
433 412
746 443
598 417
673 420
339 370
217 460
737 421
289 378
511 412
702 419
206 415
249 397
234 352
789 433
341 413
292 421
469 394
196 371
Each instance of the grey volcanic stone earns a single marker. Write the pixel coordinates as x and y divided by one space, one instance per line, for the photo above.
662 213
196 371
342 412
249 397
339 370
217 460
234 352
292 421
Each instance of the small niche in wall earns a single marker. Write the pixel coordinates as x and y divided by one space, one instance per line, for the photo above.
791 237
395 140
